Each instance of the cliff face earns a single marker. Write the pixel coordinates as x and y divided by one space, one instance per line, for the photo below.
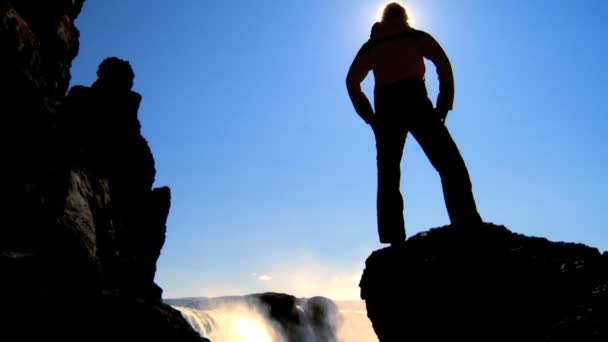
486 284
109 203
82 227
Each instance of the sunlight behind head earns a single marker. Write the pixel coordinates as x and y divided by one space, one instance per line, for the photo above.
380 12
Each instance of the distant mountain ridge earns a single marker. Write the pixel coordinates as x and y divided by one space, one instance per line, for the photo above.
205 303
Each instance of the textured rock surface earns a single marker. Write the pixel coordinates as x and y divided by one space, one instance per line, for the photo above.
486 284
81 227
110 181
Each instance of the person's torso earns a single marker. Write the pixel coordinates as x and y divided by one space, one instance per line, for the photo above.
396 54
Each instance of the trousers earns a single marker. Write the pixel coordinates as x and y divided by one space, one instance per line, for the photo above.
403 108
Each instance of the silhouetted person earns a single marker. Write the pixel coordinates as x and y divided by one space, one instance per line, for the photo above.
395 53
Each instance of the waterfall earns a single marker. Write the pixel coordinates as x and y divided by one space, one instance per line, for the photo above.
232 324
238 320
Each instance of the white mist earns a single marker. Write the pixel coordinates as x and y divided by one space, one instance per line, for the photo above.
246 323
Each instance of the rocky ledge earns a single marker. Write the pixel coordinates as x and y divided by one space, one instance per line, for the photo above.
486 284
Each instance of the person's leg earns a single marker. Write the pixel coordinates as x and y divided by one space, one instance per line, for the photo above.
439 147
390 140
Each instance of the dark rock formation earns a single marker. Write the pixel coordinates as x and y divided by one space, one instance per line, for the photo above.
296 319
486 284
301 319
324 317
100 134
82 227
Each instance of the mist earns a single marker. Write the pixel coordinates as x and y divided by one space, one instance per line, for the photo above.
232 324
302 275
237 319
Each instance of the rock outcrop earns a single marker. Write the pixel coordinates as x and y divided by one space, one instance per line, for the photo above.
110 181
486 284
82 227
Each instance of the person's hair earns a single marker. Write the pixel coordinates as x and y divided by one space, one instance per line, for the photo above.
394 10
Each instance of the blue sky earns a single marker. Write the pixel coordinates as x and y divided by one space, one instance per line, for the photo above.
272 172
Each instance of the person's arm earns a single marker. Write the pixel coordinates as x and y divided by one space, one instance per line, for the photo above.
356 74
433 51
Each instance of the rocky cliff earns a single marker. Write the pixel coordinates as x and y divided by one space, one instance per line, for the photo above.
82 227
486 284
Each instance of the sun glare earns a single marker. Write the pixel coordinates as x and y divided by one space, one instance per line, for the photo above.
410 15
249 330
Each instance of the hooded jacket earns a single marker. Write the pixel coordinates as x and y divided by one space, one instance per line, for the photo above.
396 52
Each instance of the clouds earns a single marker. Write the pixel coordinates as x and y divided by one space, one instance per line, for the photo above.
262 277
308 276
303 275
